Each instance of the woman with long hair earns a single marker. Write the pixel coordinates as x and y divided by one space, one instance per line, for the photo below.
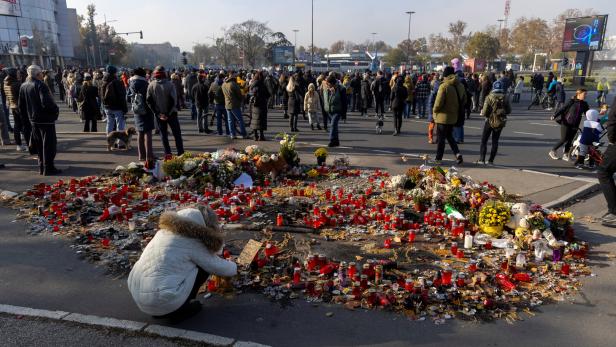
259 98
88 104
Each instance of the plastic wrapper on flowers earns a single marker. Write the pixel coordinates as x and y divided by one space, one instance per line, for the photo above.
413 244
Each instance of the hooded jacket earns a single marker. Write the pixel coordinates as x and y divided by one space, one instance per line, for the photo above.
163 277
312 101
161 97
217 97
199 94
114 94
592 128
448 102
233 94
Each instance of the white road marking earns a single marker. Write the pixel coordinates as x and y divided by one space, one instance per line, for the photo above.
549 125
523 133
469 127
382 151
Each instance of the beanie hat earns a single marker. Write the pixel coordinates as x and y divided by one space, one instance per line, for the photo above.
498 85
448 71
34 70
111 69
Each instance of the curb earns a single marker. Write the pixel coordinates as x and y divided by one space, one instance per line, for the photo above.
574 194
133 326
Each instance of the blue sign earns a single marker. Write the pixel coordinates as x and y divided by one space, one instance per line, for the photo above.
283 55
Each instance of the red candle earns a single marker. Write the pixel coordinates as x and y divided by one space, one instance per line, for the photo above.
412 236
454 248
352 270
460 254
296 275
565 270
279 220
446 277
387 243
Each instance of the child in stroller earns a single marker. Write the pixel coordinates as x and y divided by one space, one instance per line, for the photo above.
588 142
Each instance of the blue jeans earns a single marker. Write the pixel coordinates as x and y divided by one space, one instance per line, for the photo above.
421 105
235 115
115 120
219 111
193 110
407 110
458 134
333 130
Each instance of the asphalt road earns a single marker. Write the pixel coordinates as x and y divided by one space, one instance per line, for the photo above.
43 272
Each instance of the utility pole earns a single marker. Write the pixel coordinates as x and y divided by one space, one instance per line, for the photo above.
312 35
408 47
295 46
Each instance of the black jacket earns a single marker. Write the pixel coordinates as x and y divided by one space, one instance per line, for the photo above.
114 94
572 112
200 95
36 101
398 97
610 125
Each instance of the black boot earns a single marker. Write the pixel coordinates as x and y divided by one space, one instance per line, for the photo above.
257 138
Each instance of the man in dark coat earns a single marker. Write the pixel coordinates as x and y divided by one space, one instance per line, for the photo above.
36 101
366 95
260 95
114 100
200 99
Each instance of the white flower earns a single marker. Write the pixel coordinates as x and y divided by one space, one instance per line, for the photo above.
397 181
133 165
283 142
265 159
274 157
120 168
189 165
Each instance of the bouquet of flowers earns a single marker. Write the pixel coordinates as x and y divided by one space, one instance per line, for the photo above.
493 216
287 149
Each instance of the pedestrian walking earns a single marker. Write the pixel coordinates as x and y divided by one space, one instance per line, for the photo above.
518 90
114 100
37 103
12 84
379 89
217 98
260 96
233 105
496 107
162 99
312 106
606 170
200 99
399 101
144 117
447 106
569 116
332 99
87 100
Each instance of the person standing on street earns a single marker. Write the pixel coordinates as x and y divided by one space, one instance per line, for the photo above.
422 93
144 117
495 110
449 101
201 101
260 96
114 100
379 88
312 106
88 101
518 90
271 83
217 98
606 170
365 94
189 82
332 99
161 97
12 84
399 101
410 92
294 102
37 103
569 117
603 88
233 105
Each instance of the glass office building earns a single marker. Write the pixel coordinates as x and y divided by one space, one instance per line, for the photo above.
36 31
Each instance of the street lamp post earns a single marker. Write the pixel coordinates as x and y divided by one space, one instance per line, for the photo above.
312 35
408 47
294 45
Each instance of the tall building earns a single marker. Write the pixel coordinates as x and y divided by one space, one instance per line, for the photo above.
36 31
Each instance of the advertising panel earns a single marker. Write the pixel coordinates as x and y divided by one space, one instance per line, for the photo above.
10 8
283 55
584 33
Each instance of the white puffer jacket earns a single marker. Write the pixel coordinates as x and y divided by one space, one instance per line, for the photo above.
161 280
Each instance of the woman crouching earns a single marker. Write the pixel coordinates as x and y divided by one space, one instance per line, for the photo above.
178 260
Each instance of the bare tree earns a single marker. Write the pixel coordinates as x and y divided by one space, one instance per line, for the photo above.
337 47
456 29
250 37
227 52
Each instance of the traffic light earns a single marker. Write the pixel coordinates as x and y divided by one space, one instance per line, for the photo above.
141 34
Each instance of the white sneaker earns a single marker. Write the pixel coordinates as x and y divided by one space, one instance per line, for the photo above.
553 155
480 162
19 148
566 157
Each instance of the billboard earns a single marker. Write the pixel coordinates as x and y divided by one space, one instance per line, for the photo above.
283 55
584 33
10 8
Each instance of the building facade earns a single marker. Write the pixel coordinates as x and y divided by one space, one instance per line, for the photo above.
36 31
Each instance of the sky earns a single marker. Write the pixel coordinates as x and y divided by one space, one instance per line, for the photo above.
186 22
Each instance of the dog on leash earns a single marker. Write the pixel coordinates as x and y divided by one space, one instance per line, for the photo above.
124 136
379 124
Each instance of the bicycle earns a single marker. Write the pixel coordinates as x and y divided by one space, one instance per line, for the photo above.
541 99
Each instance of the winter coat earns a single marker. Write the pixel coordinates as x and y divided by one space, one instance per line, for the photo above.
139 85
161 97
379 87
519 87
233 94
592 128
177 83
271 84
11 90
88 96
294 102
200 95
260 96
610 125
217 97
37 103
312 102
560 94
410 89
572 112
422 90
491 102
448 102
366 94
163 277
332 101
114 94
190 82
399 95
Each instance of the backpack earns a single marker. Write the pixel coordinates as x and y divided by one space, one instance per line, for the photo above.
498 117
138 104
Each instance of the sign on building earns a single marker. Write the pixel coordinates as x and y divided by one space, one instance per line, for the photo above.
10 8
